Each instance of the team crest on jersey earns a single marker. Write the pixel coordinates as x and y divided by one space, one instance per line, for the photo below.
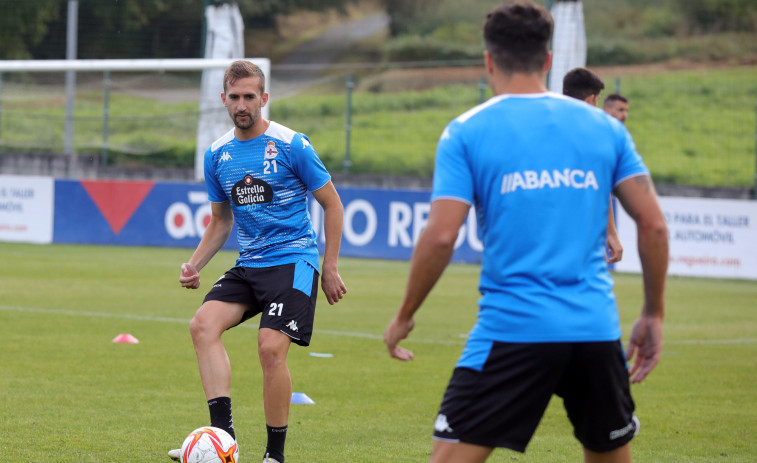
251 190
270 151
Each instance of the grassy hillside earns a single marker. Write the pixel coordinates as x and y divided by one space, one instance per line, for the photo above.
692 127
695 127
617 31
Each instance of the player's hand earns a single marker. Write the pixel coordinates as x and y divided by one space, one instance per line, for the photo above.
614 249
190 277
395 332
644 347
332 285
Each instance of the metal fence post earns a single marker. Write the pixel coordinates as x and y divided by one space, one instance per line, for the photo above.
106 113
1 107
71 38
71 45
481 90
617 85
348 126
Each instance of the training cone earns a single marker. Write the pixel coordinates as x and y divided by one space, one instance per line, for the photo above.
301 398
125 339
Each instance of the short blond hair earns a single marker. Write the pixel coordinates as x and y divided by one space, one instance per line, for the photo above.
239 70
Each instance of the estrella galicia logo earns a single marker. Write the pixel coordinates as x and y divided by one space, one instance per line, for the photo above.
250 190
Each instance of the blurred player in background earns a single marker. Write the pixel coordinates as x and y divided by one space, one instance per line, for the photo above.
584 84
616 105
258 175
539 168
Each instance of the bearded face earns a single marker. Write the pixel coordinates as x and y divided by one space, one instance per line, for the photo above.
244 100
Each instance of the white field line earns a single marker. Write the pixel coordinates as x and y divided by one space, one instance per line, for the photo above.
185 321
351 334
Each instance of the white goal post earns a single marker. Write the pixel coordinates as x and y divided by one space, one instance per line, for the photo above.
125 65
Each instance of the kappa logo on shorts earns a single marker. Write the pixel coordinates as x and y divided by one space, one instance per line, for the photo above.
441 424
292 325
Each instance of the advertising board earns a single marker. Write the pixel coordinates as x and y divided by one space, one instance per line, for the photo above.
26 209
708 238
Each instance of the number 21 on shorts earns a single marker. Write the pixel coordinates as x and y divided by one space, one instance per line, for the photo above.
276 309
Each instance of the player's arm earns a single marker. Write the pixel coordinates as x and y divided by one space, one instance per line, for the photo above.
333 215
215 236
431 256
613 242
638 197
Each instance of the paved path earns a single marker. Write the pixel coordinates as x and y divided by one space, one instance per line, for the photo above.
306 64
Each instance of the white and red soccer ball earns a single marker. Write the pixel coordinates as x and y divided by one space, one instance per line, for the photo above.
209 445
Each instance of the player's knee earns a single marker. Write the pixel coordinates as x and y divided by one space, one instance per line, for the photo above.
200 327
195 328
270 359
272 351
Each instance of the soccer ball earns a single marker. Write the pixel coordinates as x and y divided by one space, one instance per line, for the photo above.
209 445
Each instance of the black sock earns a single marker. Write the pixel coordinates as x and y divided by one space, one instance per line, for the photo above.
276 439
220 414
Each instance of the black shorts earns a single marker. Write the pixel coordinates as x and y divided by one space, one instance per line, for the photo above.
284 295
501 405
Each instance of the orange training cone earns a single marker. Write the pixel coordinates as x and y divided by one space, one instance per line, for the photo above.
125 339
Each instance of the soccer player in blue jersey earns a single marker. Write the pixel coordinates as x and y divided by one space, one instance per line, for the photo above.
585 85
538 167
258 176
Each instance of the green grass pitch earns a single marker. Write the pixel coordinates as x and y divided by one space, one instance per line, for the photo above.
71 395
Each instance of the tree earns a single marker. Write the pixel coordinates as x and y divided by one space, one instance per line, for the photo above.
24 25
703 16
126 29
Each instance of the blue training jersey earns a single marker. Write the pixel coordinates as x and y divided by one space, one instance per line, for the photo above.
266 181
539 170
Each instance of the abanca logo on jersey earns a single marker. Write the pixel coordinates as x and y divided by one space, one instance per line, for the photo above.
533 180
251 190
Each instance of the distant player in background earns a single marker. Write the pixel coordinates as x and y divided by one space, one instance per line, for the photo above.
539 168
616 105
584 84
258 175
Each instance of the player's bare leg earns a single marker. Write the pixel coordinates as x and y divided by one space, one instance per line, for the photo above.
619 455
449 452
273 347
207 326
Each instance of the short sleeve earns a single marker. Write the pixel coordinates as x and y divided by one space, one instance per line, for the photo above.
453 177
307 165
215 191
629 163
